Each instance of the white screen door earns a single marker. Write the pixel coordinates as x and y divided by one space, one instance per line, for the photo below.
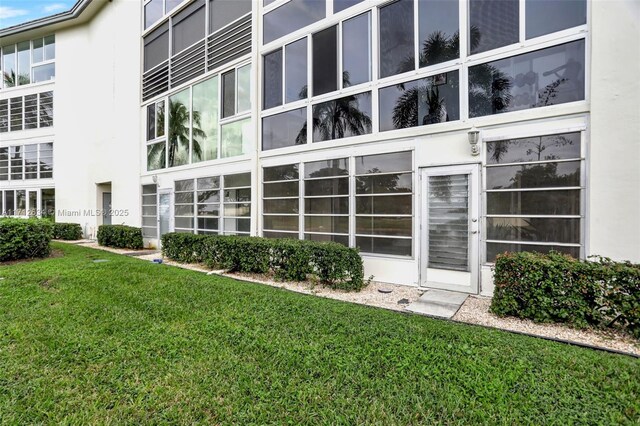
450 228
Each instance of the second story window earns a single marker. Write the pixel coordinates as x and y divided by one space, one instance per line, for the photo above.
28 62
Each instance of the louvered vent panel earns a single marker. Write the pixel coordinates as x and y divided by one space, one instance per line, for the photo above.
229 43
155 81
188 64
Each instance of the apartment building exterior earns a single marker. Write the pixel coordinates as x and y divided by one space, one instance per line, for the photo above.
430 134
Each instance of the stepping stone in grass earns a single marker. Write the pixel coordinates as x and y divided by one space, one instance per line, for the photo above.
100 260
403 302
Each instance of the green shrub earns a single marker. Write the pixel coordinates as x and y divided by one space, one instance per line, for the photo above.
120 236
24 238
557 288
67 231
333 264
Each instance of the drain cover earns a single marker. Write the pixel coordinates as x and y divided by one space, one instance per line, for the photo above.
385 290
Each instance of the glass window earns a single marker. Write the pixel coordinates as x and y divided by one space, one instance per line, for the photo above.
236 138
356 50
396 41
46 160
31 111
205 120
46 109
149 211
229 94
296 70
244 88
421 102
152 12
4 115
284 129
48 202
31 161
4 164
492 24
37 52
223 12
151 122
548 16
44 72
384 203
519 217
237 204
156 156
179 128
156 47
184 205
272 79
292 16
545 77
9 70
16 113
49 47
172 4
24 62
340 5
16 162
439 31
342 118
9 202
188 26
325 61
281 202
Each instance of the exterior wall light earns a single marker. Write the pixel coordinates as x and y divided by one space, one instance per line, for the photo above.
474 138
154 178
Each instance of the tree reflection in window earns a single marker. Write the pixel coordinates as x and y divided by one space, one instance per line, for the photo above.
340 118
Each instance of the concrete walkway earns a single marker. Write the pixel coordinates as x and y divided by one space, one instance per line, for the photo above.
438 303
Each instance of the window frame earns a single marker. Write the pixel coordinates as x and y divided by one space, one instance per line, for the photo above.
32 64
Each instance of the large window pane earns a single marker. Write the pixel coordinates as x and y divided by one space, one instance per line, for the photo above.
325 61
236 138
356 50
179 128
342 118
421 102
558 202
49 47
396 38
9 71
152 12
156 47
151 122
281 189
551 230
545 175
340 5
380 225
325 168
46 109
229 94
384 183
384 163
188 26
540 148
285 129
156 157
31 111
288 172
323 187
24 62
281 223
493 249
292 16
205 120
281 206
223 12
244 88
272 79
48 202
492 24
330 205
44 72
37 50
545 77
327 224
16 113
296 70
392 246
46 160
439 31
394 205
548 16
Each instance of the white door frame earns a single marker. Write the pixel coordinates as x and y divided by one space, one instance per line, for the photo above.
466 282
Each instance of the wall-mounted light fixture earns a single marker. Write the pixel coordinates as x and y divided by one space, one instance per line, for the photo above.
154 178
474 139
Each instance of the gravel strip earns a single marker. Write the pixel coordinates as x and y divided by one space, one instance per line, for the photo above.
475 310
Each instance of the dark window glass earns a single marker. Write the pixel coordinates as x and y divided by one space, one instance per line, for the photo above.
548 16
384 183
172 4
547 202
327 224
394 204
493 249
342 118
340 239
281 223
325 168
238 180
292 16
529 229
151 122
286 206
296 70
188 26
281 189
288 172
223 12
392 226
325 61
179 125
270 234
46 160
48 202
9 202
384 163
152 12
545 77
46 109
228 94
392 246
493 24
16 113
421 102
156 47
285 129
540 148
439 31
272 79
340 5
4 115
356 50
31 111
545 175
328 205
324 187
396 38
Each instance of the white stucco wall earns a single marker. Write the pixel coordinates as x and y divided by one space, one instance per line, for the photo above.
614 160
97 119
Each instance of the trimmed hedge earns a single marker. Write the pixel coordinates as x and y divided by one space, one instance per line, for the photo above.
333 264
24 238
120 236
558 288
67 231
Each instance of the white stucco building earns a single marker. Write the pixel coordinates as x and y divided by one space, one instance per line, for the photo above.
430 134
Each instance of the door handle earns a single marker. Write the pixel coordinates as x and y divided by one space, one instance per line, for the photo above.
474 232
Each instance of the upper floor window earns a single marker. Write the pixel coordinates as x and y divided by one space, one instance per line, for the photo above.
291 17
28 62
26 112
188 26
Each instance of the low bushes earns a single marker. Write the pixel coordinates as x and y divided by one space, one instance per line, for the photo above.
67 231
293 260
557 288
120 236
24 238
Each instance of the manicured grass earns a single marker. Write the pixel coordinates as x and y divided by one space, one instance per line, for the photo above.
128 341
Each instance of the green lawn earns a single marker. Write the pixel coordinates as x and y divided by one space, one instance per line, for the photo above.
128 341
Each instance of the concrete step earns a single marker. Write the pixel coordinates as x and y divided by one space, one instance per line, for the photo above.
438 303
